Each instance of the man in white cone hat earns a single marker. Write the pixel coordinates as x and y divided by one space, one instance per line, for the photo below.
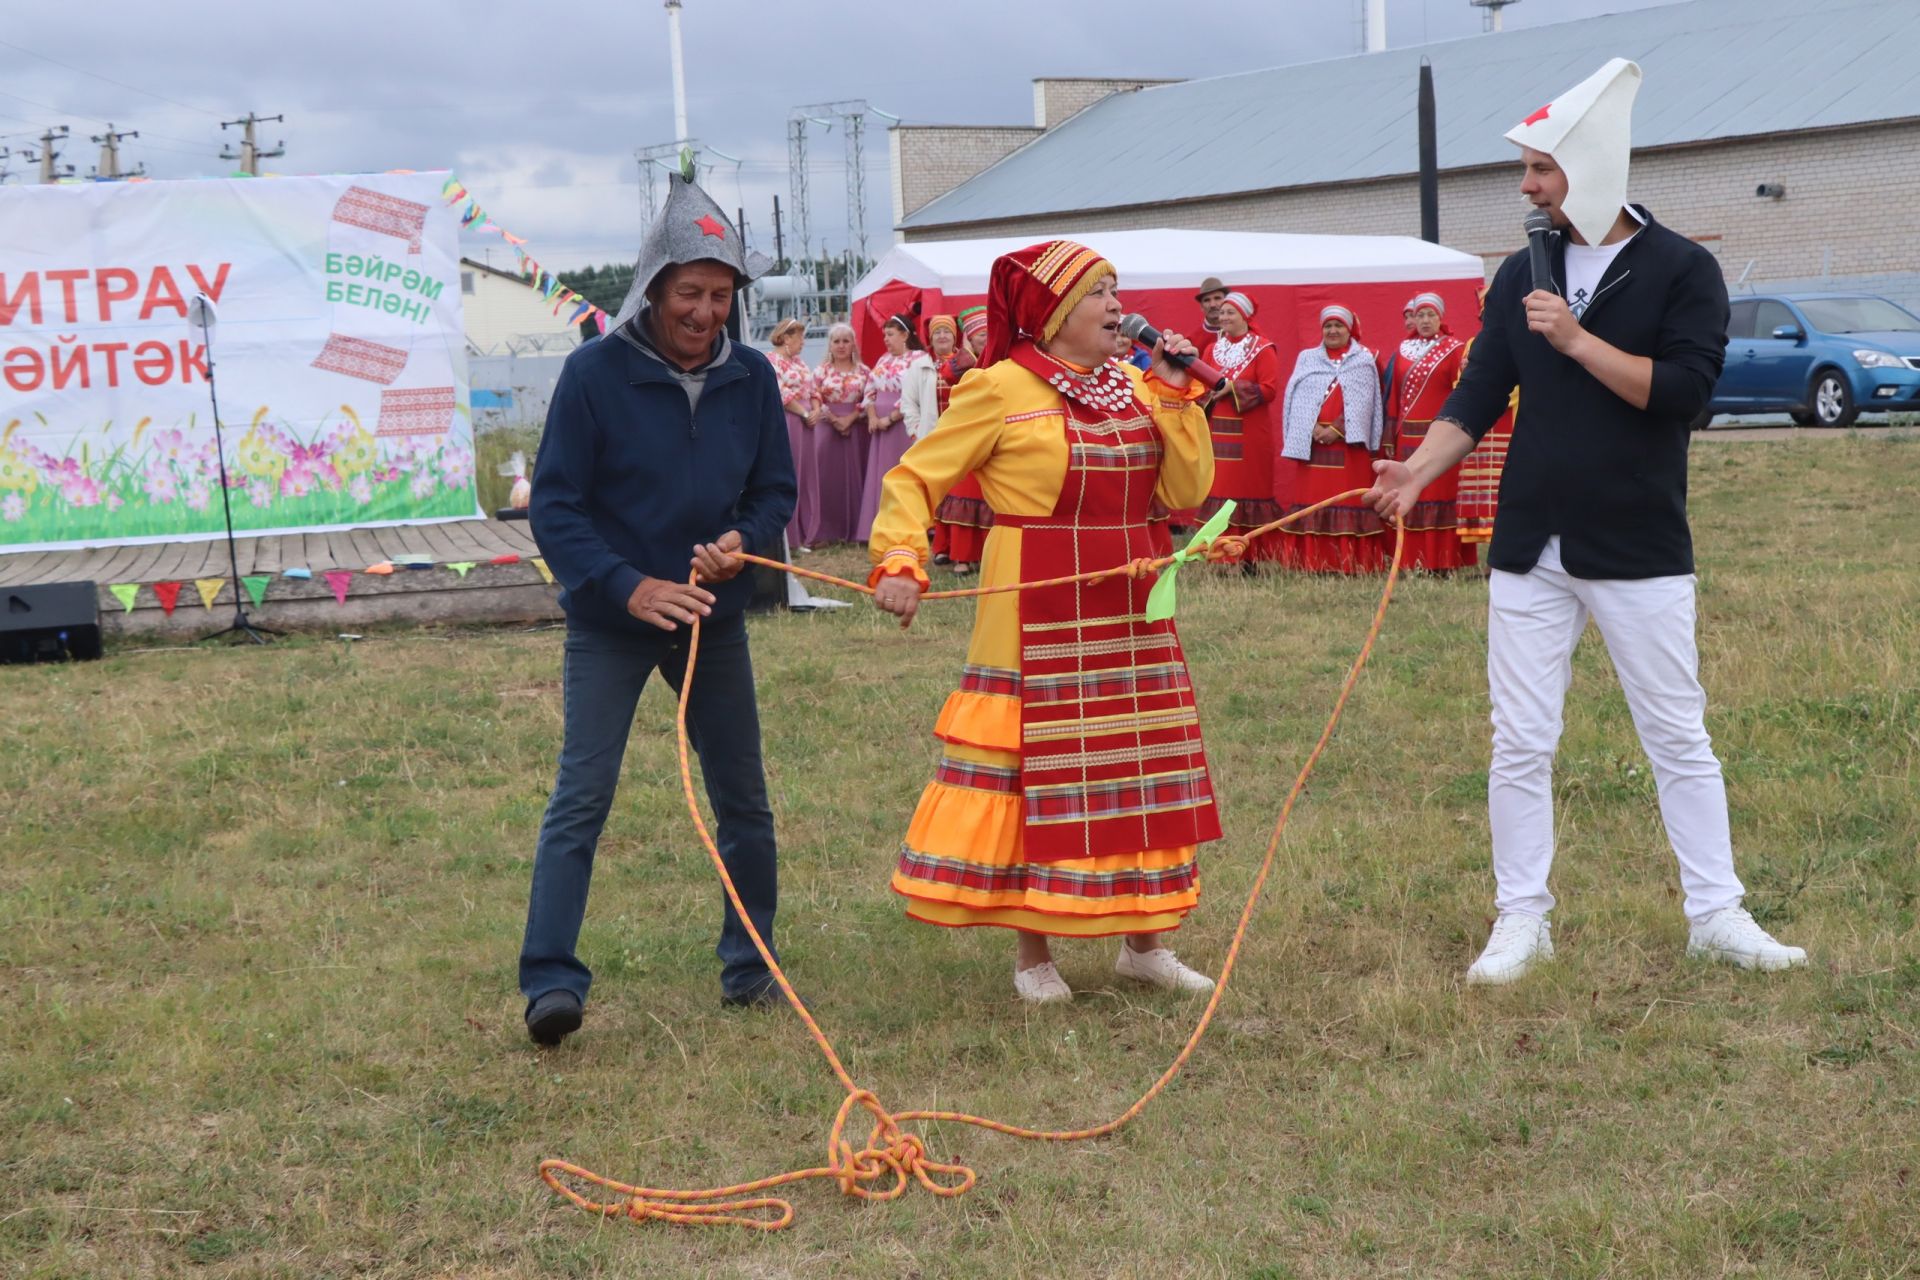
1613 363
665 454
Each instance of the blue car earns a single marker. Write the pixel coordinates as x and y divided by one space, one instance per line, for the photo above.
1823 358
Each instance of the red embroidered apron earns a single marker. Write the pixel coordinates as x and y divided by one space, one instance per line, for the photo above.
1111 759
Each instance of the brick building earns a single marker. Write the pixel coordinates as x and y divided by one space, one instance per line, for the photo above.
1742 98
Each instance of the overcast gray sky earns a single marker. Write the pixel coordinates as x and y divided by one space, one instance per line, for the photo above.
539 108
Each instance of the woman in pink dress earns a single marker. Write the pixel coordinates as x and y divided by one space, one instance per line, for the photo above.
839 441
887 437
801 400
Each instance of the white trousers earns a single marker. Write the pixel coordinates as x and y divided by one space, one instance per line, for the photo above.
1533 622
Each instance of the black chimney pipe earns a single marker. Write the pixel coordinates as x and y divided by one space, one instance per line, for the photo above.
1429 160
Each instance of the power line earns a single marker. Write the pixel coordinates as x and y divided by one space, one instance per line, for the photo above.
108 79
78 115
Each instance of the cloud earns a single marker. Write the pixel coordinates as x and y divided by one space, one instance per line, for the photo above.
540 111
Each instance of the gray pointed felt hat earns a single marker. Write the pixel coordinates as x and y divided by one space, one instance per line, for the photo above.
691 228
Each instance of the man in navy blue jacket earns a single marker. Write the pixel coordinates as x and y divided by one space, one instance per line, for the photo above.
665 450
1612 362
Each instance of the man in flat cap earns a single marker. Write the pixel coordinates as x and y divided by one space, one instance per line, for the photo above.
1212 293
665 451
1612 364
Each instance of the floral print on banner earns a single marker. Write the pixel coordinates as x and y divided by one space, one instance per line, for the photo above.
167 481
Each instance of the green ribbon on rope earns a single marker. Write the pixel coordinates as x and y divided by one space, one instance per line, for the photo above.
1160 600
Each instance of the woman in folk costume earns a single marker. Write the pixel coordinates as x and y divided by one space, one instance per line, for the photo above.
1240 418
839 441
1423 374
922 399
1479 497
800 398
887 440
961 523
1331 429
1073 789
964 517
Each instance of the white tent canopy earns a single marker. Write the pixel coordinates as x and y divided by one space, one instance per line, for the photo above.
1173 258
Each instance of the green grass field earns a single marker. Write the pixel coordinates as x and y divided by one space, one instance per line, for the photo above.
259 913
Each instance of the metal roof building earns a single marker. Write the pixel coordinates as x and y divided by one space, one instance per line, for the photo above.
1822 100
1714 69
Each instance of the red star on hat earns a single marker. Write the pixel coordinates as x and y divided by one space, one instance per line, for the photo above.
711 226
1539 115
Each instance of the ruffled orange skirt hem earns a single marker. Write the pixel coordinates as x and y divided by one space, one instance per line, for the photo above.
962 865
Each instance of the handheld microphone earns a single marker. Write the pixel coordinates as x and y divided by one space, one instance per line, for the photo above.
1539 225
1135 326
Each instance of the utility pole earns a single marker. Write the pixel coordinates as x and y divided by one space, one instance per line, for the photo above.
49 158
250 154
109 166
679 72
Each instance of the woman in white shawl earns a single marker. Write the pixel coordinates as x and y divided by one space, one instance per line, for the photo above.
1332 417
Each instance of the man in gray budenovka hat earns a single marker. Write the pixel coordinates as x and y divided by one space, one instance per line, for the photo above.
665 451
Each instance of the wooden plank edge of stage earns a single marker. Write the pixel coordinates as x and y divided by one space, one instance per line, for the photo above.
488 594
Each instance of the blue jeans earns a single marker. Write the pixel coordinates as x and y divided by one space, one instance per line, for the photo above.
603 676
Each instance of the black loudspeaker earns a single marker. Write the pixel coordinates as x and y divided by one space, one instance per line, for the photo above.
50 622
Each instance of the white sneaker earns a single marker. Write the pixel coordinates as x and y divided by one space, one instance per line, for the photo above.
1518 942
1161 968
1041 984
1730 934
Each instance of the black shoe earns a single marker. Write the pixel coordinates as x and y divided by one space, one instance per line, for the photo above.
761 993
553 1017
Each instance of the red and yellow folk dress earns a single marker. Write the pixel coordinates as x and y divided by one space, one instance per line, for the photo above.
1347 538
963 519
1072 789
1423 377
1243 446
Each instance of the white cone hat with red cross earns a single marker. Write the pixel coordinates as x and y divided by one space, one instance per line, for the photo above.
1588 130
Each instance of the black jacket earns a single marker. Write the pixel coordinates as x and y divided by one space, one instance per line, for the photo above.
630 478
1610 479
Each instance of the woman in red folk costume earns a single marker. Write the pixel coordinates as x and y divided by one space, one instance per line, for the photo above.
1240 418
964 519
1072 790
1480 470
1331 425
1424 372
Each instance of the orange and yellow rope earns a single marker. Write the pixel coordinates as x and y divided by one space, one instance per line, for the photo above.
893 1158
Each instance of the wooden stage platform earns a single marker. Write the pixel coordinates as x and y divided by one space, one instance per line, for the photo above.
488 593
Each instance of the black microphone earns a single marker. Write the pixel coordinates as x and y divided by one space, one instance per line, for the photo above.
1539 225
1135 326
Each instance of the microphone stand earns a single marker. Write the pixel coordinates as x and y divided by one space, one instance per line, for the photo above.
242 626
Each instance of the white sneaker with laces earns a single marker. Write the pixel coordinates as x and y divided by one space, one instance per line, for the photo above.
1518 943
1041 984
1161 968
1732 935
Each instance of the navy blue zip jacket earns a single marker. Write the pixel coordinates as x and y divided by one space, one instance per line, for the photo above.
1610 479
629 478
